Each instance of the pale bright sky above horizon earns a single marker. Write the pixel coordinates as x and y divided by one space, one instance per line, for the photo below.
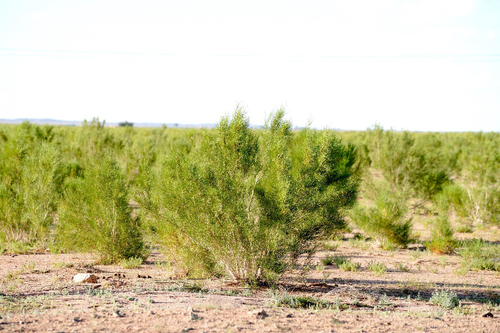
426 65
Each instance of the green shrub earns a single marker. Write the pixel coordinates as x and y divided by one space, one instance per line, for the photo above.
475 195
132 262
405 164
465 228
480 177
331 245
472 202
30 181
359 243
483 204
95 215
328 260
377 268
403 268
452 201
349 266
479 255
339 260
344 263
445 299
247 204
442 240
386 222
299 302
326 274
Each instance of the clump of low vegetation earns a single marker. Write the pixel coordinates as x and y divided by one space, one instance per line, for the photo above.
359 242
331 246
327 260
132 262
350 266
12 304
465 228
445 299
378 268
480 255
325 274
345 263
402 267
299 302
339 260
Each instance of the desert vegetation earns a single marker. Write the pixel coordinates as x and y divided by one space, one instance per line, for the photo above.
273 210
239 202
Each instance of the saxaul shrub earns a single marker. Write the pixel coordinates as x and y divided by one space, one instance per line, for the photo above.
471 202
95 215
30 181
405 165
479 178
442 239
386 221
247 204
452 202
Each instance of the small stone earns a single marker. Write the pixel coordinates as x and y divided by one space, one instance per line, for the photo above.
488 315
194 316
85 278
118 314
262 314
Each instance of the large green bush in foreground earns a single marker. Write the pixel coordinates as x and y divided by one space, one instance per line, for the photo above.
244 205
95 215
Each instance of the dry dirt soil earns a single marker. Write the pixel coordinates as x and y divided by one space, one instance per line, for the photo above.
37 294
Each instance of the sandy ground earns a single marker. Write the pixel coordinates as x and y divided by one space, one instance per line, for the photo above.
37 294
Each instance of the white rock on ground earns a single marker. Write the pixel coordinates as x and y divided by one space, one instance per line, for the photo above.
85 278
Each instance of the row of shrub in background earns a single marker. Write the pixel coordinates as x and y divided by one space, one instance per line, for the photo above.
455 176
232 200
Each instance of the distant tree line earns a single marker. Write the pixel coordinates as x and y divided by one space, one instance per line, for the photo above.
126 124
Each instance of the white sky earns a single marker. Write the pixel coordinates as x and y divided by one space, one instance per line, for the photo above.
429 65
